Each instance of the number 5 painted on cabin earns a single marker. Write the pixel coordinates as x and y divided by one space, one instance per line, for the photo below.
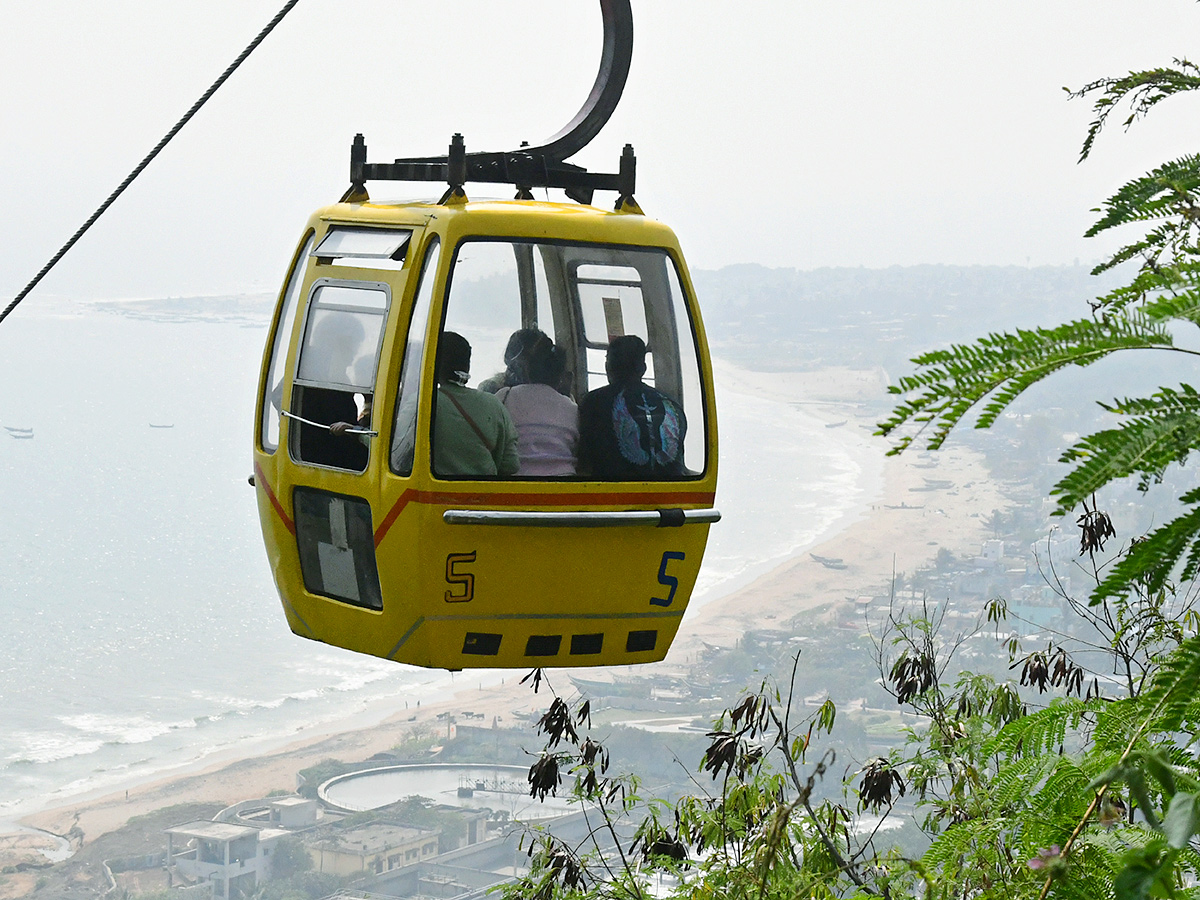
666 580
453 577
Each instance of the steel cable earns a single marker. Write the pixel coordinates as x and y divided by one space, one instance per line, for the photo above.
287 7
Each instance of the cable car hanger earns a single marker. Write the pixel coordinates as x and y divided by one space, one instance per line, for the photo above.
529 167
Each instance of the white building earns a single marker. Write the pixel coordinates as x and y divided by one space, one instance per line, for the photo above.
234 858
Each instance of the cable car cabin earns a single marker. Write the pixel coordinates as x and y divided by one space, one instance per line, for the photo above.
422 530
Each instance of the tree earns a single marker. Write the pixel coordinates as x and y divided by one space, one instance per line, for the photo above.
1142 600
1163 294
290 858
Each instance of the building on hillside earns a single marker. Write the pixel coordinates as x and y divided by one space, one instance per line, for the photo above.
235 859
474 872
294 812
372 849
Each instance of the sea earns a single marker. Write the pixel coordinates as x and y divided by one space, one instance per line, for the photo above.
141 633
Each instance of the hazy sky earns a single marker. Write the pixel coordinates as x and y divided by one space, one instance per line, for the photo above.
855 132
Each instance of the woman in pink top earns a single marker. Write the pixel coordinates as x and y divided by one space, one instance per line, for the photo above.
547 422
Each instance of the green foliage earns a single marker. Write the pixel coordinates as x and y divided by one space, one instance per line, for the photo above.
289 858
314 776
999 367
1069 796
1161 298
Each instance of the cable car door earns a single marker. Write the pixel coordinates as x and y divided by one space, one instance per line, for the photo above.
318 446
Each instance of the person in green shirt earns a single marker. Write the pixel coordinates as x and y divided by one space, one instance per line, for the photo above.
473 435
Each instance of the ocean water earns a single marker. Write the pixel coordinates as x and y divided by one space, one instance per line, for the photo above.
141 631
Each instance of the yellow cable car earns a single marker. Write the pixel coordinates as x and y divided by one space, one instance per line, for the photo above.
486 432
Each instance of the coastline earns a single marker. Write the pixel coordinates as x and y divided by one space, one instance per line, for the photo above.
901 528
900 524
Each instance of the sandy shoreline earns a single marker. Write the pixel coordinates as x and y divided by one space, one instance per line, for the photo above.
901 530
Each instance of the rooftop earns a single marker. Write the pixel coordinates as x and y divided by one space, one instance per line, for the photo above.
213 831
374 838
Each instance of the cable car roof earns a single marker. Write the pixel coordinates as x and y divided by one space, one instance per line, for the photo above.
535 219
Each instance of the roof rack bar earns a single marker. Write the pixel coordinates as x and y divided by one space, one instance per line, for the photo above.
520 168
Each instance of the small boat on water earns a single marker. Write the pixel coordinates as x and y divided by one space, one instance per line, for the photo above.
18 431
21 435
155 425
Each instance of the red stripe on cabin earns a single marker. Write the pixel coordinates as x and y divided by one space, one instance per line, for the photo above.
446 498
260 478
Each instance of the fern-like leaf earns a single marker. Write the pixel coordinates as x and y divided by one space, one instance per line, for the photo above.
1164 430
1172 692
999 367
1144 90
1157 194
1150 563
1039 732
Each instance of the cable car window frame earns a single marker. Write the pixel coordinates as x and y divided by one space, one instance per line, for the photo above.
350 543
295 440
614 282
400 459
573 327
312 305
677 301
281 338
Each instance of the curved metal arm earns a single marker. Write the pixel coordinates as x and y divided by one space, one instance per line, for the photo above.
606 92
529 167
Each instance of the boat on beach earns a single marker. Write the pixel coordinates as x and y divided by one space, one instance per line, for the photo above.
829 562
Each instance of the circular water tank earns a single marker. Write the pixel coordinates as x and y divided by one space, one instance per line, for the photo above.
468 785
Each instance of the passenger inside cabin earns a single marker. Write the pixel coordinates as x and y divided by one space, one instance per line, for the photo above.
362 421
628 431
473 435
547 422
517 354
321 444
336 353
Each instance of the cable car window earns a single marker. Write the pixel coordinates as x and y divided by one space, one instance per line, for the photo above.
336 545
371 248
610 298
499 298
341 340
500 287
539 320
405 427
335 376
273 400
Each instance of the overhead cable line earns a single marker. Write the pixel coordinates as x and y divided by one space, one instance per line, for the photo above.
287 7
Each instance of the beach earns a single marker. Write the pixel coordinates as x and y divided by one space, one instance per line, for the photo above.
900 526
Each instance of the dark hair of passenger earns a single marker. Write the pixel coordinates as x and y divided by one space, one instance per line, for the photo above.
546 365
453 358
626 360
521 346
